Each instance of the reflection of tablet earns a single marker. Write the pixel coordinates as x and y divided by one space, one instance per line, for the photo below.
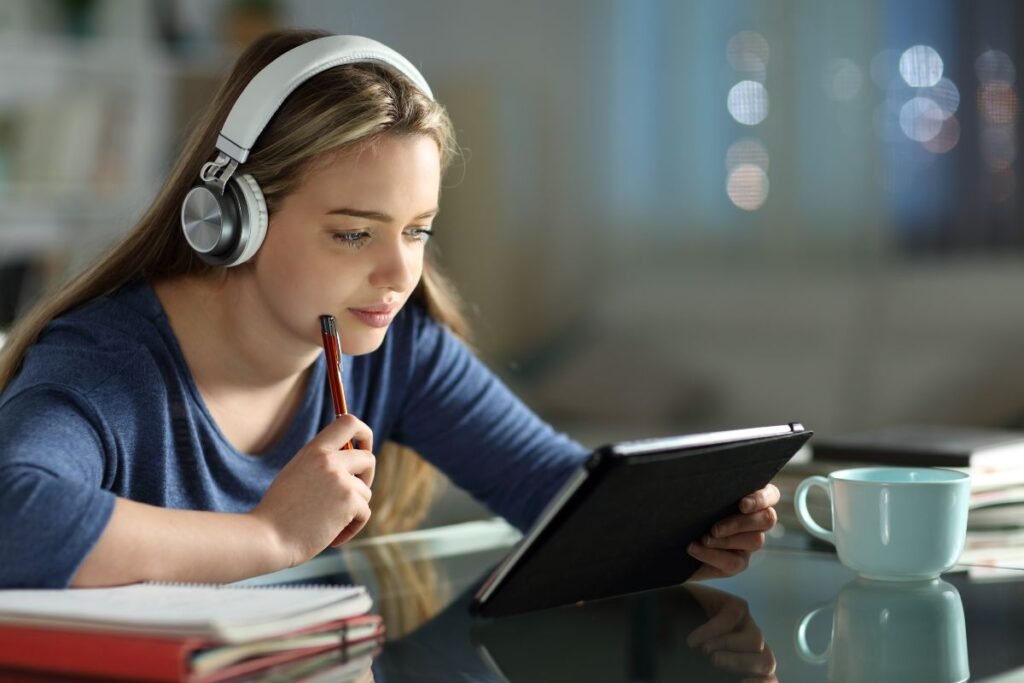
638 637
622 523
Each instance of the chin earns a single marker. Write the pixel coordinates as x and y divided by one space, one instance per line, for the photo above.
359 345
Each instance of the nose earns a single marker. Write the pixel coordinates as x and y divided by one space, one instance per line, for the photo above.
397 265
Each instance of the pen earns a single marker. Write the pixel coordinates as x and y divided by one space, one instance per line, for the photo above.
332 349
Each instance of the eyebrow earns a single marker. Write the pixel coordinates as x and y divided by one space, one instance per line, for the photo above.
375 215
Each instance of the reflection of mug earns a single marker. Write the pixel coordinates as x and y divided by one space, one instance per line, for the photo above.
885 631
894 523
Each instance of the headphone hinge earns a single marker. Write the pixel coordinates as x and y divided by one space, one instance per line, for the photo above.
219 171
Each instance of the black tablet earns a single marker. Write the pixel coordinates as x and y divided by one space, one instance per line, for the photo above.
621 524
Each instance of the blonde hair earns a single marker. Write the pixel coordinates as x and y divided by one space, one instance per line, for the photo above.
337 110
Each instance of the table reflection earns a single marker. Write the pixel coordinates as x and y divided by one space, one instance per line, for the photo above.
334 667
891 631
698 632
423 584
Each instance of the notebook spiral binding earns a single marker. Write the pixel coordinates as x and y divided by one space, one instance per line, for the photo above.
268 586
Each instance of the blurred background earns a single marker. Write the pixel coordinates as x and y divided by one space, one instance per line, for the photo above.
669 215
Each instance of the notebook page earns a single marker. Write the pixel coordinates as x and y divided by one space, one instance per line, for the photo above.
174 606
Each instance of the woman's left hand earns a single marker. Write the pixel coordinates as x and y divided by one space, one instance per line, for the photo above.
731 637
726 550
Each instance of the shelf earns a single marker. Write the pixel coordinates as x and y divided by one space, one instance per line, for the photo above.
32 227
86 135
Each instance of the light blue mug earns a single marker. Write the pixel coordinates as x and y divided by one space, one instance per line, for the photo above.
893 523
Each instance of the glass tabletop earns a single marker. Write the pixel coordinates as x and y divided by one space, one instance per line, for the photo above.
796 613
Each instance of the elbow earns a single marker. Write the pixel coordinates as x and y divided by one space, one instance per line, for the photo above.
47 526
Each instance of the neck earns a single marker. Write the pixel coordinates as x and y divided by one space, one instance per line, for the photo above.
229 338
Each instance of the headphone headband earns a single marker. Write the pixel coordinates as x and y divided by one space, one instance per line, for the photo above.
224 218
269 88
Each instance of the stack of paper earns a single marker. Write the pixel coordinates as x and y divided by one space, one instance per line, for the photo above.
178 632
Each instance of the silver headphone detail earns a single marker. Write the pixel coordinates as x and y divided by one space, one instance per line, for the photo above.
224 217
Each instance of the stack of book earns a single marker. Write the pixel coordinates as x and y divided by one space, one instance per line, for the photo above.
993 457
191 632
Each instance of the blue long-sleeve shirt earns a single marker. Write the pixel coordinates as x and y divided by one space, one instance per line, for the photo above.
104 405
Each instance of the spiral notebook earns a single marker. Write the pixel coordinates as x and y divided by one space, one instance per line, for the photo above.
173 632
225 613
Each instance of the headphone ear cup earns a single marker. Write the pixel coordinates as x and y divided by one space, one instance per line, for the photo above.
253 211
210 223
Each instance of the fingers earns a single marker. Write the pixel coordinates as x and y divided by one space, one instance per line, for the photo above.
760 499
748 640
362 489
358 463
761 663
725 562
762 520
345 428
725 621
359 520
750 541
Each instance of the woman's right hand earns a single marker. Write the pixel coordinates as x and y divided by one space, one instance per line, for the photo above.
322 496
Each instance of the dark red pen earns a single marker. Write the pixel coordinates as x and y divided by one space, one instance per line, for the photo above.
332 349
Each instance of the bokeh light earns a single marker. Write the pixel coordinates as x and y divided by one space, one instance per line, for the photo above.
999 108
843 80
998 146
885 68
945 94
921 66
746 151
747 187
1004 184
998 102
748 53
995 65
921 119
947 138
748 102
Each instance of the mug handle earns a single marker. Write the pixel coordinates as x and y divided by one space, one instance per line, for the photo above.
800 638
804 515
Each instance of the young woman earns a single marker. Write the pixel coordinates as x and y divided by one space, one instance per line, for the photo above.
168 419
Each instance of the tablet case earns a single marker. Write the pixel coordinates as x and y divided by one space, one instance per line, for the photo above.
627 527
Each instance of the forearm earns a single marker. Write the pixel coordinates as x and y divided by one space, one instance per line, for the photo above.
148 543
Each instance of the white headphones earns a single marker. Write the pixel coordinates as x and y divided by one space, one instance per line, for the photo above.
224 218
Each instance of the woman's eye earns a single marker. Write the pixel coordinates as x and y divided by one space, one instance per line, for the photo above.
420 234
352 238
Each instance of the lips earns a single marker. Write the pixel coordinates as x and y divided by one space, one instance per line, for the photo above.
376 308
379 315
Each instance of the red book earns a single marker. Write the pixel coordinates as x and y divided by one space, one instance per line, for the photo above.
171 636
150 658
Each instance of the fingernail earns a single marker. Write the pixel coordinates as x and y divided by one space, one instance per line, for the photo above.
707 540
692 548
747 504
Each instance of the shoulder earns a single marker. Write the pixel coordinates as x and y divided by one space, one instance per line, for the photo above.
416 338
87 347
418 353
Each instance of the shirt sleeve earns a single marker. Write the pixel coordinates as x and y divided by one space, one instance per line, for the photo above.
53 508
460 417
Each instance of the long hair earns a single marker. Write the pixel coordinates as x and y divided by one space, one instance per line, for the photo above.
336 110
